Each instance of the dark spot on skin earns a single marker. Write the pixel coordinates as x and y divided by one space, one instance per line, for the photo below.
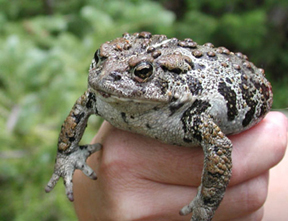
176 70
71 139
250 114
123 115
216 71
217 175
91 100
96 56
67 152
212 201
174 106
143 90
148 126
194 85
197 108
197 134
228 80
174 99
82 147
78 117
186 140
247 94
215 149
211 58
230 97
264 98
156 108
191 119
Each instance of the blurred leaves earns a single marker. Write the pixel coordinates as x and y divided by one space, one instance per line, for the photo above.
45 52
44 60
249 26
200 26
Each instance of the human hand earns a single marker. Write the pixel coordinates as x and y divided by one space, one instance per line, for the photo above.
140 178
275 207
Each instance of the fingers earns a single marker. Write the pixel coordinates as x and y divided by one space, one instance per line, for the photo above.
145 198
259 148
244 199
256 216
139 174
255 151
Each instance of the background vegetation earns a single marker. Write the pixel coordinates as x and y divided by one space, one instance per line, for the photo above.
45 51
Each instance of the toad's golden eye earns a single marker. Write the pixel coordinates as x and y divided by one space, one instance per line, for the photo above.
143 71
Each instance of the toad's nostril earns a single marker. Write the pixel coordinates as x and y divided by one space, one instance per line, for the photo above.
115 75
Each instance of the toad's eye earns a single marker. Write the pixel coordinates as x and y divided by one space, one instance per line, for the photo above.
97 56
143 71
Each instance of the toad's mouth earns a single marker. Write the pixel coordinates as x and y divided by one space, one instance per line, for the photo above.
108 97
112 98
104 94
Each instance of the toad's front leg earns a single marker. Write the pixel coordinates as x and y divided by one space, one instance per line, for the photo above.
70 155
217 167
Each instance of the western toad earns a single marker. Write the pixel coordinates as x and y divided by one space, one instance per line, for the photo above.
175 91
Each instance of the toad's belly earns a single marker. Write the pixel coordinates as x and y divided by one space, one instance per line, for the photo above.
159 122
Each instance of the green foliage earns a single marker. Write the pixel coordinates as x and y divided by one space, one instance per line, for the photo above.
44 61
199 26
249 26
45 51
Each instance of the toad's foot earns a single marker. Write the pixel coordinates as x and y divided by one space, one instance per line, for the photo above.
200 211
66 163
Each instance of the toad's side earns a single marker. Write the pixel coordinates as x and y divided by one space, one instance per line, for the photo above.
175 91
